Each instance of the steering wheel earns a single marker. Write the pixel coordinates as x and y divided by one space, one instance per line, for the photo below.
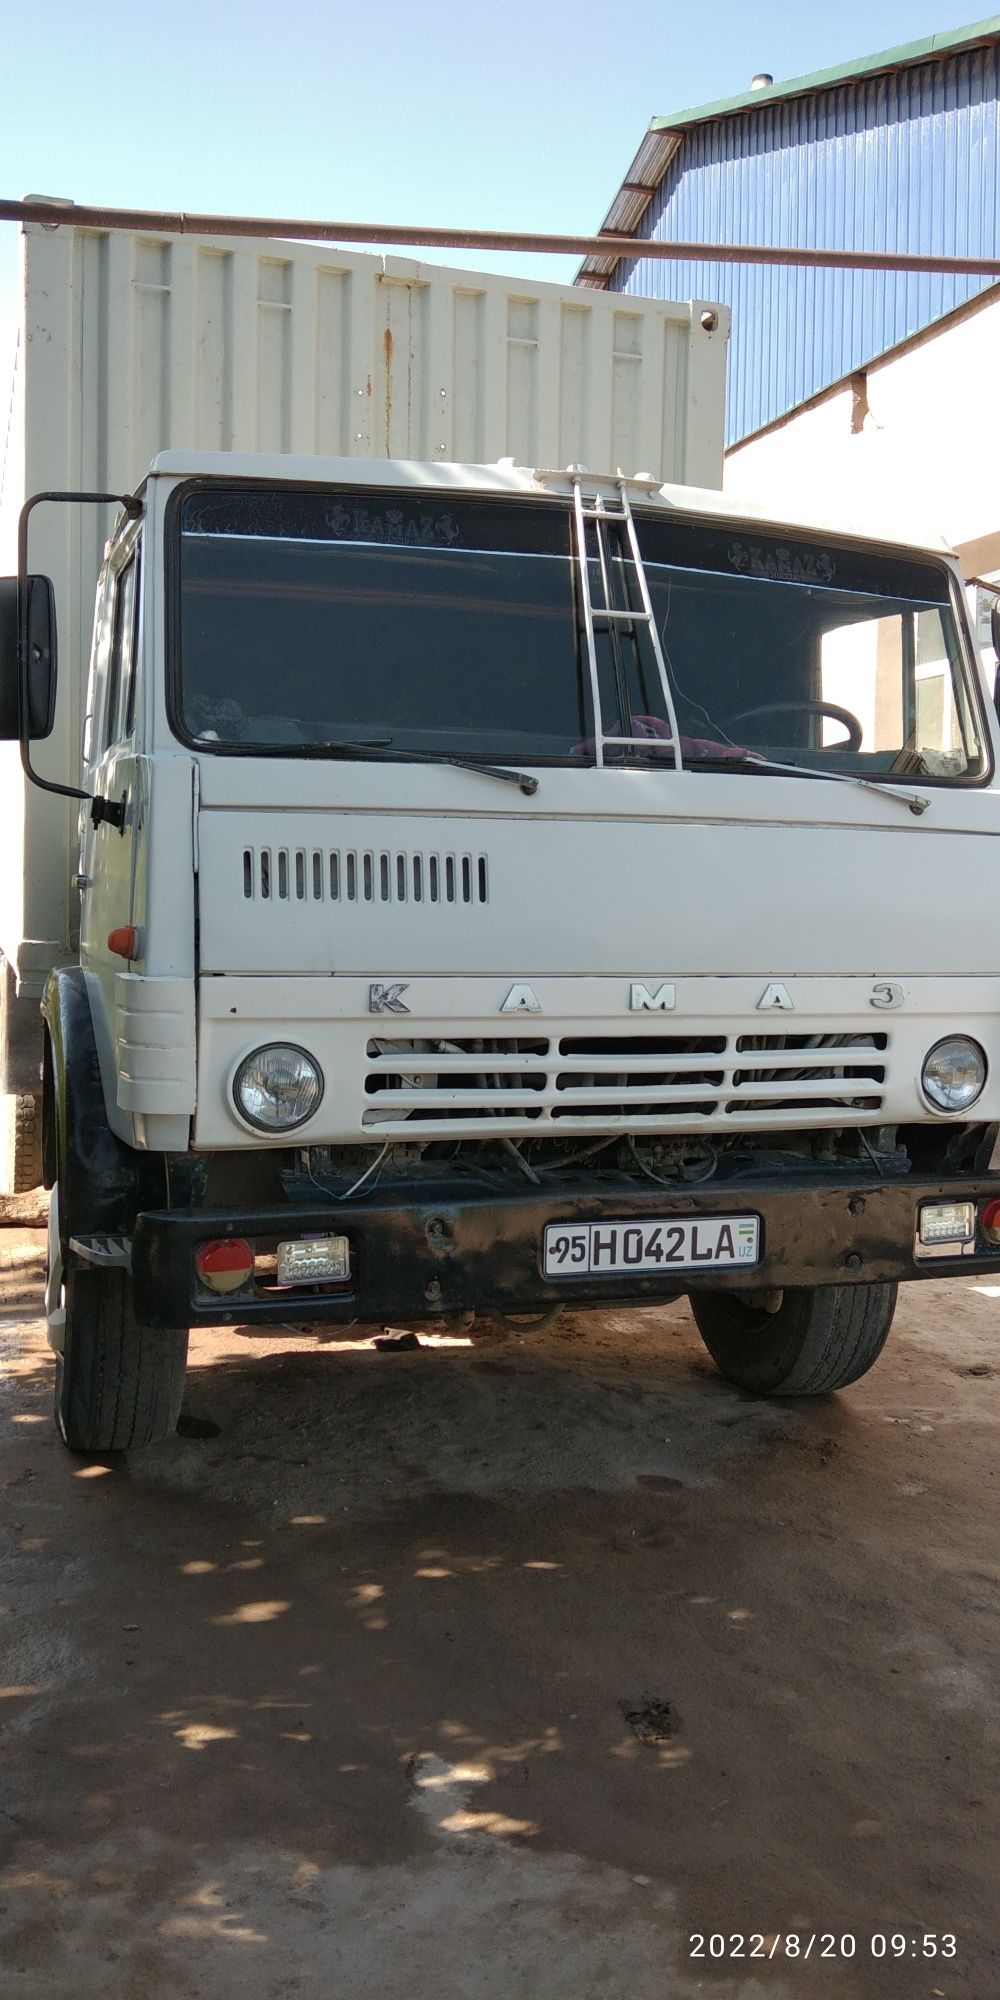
855 729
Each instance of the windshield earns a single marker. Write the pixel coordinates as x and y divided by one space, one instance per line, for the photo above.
806 654
394 622
424 623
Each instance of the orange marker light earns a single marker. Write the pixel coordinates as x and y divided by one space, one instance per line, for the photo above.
124 941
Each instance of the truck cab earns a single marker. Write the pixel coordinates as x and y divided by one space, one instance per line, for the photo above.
503 890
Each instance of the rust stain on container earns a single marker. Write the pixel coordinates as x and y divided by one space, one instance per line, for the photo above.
387 345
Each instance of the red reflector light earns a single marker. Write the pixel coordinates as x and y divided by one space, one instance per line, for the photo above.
225 1264
989 1221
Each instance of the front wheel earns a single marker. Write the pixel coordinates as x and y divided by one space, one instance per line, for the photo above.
813 1342
118 1384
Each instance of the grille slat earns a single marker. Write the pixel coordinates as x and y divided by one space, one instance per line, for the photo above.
364 875
534 1095
653 1081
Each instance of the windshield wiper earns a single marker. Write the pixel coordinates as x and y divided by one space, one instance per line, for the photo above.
915 802
380 750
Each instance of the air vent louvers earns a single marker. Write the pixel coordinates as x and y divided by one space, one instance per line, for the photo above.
365 875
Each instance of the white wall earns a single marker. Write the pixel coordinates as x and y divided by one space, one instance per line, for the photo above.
927 452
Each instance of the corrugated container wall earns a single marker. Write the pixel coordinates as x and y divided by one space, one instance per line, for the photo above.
909 160
271 346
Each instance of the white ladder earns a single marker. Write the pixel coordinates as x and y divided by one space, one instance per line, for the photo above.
592 507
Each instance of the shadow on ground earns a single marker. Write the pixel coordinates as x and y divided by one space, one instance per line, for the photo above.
503 1671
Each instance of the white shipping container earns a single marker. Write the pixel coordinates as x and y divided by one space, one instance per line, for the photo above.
136 343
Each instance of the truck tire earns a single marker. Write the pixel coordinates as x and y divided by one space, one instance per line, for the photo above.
21 1161
816 1341
118 1384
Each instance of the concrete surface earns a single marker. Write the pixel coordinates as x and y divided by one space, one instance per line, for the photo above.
496 1673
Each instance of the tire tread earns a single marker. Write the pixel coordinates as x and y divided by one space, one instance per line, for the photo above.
22 1165
818 1340
120 1384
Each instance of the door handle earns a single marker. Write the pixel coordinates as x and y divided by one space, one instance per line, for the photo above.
111 810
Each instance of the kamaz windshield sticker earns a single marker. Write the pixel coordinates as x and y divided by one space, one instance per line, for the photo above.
784 565
358 524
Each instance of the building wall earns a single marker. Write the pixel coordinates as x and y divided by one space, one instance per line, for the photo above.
914 441
906 161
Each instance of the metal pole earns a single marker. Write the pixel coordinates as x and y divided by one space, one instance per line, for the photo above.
167 222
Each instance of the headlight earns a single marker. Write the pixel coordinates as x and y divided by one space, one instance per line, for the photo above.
278 1087
954 1074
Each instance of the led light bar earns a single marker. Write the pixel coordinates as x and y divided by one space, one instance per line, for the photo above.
313 1260
947 1222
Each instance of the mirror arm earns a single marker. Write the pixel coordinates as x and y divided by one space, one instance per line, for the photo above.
132 508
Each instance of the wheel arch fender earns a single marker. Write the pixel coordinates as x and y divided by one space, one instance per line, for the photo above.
96 1172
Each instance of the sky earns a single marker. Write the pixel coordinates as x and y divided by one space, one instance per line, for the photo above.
522 115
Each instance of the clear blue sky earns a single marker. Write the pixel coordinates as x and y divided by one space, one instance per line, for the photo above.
521 115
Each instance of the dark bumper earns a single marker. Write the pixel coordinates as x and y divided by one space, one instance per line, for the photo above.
415 1258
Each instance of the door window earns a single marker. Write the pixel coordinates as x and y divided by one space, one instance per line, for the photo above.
119 714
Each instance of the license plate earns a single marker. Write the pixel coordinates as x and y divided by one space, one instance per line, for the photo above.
668 1243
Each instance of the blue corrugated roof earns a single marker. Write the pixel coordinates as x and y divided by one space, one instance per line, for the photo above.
892 159
895 153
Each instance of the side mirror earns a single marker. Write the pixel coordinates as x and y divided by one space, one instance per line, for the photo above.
41 659
995 626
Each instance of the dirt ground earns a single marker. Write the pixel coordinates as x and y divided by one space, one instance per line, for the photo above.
500 1671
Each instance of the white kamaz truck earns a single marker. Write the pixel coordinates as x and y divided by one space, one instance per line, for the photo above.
503 889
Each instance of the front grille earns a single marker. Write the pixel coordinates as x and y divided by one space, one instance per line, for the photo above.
362 875
652 1081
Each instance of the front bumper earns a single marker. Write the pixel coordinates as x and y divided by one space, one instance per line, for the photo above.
416 1255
